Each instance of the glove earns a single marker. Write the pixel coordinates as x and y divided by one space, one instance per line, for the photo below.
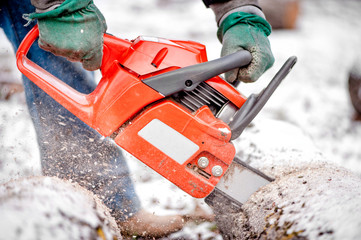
241 30
73 30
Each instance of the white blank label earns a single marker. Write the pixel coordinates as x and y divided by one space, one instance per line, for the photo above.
168 140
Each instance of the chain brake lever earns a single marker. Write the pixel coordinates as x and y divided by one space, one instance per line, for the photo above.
255 102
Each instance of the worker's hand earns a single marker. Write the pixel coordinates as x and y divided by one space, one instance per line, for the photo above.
73 30
242 30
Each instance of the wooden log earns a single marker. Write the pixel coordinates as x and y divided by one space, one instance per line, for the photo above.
310 198
50 208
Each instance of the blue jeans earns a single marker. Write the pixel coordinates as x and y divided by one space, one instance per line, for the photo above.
70 149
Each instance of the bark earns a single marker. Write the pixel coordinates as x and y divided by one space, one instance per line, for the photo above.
310 198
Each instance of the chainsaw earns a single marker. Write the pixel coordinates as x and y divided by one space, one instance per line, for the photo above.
163 102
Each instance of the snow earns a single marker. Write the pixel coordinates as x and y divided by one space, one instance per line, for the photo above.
64 209
18 147
313 97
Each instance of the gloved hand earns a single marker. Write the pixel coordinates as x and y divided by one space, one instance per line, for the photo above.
241 30
73 30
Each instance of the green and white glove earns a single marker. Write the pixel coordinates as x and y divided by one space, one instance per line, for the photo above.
241 30
73 30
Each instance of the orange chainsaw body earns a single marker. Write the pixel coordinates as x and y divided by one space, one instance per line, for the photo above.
159 131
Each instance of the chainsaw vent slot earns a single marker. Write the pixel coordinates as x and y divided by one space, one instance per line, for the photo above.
199 171
202 95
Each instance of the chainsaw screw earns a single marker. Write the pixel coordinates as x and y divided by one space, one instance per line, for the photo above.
203 162
217 171
188 83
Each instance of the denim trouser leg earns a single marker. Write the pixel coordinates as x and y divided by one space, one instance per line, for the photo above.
70 149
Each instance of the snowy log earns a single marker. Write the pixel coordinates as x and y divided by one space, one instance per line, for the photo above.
310 198
50 208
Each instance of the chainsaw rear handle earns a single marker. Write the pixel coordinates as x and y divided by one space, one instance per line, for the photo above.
57 89
186 78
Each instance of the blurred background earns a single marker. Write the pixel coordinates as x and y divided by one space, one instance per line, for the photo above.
325 35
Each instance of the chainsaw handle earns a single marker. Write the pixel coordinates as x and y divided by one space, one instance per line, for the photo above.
188 78
112 48
57 89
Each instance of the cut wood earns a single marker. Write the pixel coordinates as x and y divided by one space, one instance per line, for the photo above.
310 198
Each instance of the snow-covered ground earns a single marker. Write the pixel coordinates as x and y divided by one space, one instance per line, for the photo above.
314 96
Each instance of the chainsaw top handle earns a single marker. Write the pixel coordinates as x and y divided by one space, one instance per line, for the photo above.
188 78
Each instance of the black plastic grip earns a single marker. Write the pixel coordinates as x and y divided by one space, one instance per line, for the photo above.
255 102
188 78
